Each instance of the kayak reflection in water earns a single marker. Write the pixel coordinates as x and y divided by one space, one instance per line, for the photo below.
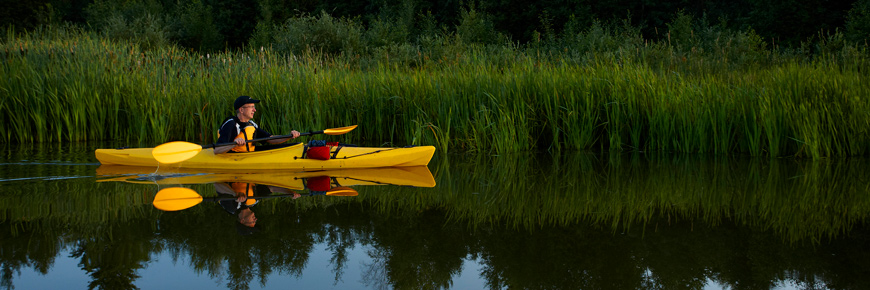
244 201
318 185
241 128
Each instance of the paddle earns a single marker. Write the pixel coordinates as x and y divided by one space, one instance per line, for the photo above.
179 198
342 191
177 151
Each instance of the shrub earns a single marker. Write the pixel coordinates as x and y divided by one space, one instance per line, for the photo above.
383 32
681 33
262 36
324 34
476 28
139 22
100 13
148 31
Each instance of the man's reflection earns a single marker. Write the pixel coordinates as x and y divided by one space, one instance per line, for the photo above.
245 199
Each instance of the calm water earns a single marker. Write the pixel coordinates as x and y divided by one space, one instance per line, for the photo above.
570 221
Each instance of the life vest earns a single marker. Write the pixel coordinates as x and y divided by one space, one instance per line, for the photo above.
246 189
248 134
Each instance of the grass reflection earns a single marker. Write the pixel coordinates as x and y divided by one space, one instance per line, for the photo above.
797 199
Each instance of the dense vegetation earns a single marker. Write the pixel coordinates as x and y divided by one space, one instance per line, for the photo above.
212 25
470 84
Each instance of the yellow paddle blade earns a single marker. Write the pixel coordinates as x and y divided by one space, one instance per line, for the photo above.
174 152
339 131
342 191
176 198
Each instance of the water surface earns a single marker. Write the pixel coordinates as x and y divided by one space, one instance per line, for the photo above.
570 221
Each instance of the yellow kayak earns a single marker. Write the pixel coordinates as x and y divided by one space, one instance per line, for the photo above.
417 176
290 157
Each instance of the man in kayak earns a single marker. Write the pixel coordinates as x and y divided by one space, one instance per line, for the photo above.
241 128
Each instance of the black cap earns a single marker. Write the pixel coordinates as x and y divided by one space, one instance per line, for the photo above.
246 230
241 101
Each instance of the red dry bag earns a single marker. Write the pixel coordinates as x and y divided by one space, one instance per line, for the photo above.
319 153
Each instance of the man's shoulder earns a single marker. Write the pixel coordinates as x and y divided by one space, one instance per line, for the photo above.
229 120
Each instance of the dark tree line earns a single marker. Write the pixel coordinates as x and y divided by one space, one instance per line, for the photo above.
209 25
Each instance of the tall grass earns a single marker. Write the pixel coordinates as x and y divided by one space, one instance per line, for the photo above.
65 85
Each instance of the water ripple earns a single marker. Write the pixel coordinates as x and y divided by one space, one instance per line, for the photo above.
64 163
43 178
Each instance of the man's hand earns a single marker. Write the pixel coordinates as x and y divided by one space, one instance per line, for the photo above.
240 141
293 135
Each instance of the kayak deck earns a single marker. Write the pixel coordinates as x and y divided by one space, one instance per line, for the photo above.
290 157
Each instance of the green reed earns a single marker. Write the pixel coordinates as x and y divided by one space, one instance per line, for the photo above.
63 85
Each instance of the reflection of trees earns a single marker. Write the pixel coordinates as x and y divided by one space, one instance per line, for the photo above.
340 236
416 253
559 259
673 255
424 250
25 249
112 261
375 274
37 222
208 234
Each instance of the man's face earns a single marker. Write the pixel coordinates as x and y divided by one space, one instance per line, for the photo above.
247 218
247 111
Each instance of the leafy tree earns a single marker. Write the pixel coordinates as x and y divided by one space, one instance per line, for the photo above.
194 27
792 21
858 22
235 19
25 15
393 25
209 25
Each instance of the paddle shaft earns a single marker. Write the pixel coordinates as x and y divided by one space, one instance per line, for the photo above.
216 198
178 151
261 139
179 198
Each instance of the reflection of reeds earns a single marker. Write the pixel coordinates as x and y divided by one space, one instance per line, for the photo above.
66 85
796 199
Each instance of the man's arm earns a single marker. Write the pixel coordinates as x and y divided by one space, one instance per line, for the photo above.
294 133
